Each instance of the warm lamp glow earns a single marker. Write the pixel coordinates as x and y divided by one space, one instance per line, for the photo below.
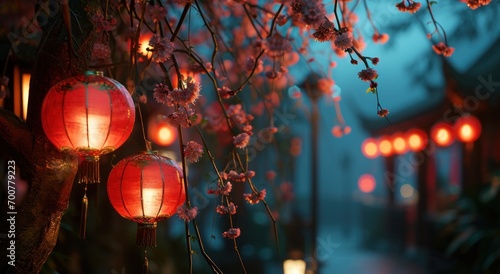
144 43
416 139
160 132
151 201
25 88
385 146
468 129
294 267
366 183
399 143
442 134
370 148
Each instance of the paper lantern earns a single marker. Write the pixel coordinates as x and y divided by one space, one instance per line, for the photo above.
399 143
467 129
385 146
442 134
146 188
370 148
89 115
366 183
416 139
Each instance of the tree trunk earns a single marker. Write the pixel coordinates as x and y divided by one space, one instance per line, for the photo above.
50 173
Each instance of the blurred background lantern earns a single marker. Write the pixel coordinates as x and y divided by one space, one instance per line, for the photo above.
399 144
89 115
385 146
146 188
467 129
442 134
416 139
160 132
370 148
367 183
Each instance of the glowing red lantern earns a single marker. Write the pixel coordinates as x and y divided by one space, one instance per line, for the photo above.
467 129
442 134
366 183
416 139
399 143
160 132
146 188
89 115
385 146
370 148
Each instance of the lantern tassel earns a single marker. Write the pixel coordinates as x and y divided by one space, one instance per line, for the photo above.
89 171
145 266
146 235
83 217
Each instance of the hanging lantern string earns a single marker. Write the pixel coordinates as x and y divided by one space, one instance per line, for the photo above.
145 266
83 217
148 143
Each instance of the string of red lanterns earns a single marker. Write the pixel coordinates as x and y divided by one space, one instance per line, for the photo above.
466 129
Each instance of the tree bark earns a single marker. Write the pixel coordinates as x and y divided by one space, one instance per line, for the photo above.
49 172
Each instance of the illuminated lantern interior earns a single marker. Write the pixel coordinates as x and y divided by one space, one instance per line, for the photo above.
468 129
366 183
370 148
442 134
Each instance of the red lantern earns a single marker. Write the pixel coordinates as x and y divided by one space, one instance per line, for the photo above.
442 134
367 183
385 146
416 139
160 132
399 143
89 115
370 148
467 129
146 188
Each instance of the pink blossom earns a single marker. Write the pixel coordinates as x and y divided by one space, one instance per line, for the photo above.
277 46
286 190
187 214
160 93
367 74
380 38
343 41
225 92
193 151
101 51
270 175
183 117
157 13
408 6
162 48
442 48
187 95
241 140
325 32
383 112
226 189
255 197
103 24
474 4
231 209
232 233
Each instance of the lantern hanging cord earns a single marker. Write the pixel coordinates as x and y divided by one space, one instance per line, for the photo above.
148 143
145 266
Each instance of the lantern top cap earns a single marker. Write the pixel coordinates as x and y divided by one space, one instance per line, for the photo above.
96 73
